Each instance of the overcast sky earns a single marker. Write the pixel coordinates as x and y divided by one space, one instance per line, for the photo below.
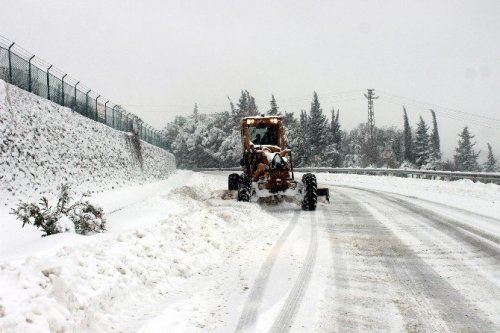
157 58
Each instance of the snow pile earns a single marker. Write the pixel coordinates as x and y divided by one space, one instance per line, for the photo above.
43 145
71 288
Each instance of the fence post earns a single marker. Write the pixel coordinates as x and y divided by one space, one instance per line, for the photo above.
62 86
87 103
96 109
74 104
113 116
48 83
10 62
29 74
105 112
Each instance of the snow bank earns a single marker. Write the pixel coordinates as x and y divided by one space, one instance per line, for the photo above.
72 287
43 144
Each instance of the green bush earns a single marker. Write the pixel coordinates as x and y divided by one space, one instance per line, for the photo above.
52 220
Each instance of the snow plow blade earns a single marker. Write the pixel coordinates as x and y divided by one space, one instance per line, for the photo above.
324 192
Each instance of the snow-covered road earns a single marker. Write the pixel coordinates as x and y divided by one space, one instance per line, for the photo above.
369 261
386 254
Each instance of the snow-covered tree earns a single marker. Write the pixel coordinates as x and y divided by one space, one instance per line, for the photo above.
274 110
466 157
195 112
491 164
422 148
302 149
352 147
435 141
332 151
318 136
246 107
408 140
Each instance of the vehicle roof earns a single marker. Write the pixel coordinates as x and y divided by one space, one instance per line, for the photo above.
262 117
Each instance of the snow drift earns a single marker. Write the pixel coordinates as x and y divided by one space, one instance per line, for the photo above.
151 249
43 144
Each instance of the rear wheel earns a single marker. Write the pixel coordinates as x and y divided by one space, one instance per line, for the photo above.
233 181
310 192
244 188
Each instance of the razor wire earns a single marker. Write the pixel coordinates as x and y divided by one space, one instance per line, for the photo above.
21 68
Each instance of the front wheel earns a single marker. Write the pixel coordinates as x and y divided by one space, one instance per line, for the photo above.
233 181
310 192
244 188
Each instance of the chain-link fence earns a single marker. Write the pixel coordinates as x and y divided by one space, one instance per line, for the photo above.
21 68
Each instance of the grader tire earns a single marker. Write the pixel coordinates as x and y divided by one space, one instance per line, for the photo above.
310 192
244 188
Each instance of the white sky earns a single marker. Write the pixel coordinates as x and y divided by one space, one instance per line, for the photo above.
157 58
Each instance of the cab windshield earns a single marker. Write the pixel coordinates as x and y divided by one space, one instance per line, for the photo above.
264 134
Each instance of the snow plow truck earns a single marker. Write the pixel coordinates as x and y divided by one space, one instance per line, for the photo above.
268 166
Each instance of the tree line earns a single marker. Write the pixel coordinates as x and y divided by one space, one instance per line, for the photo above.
213 140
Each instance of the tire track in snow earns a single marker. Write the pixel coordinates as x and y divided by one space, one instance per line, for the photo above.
250 313
458 230
423 284
284 321
338 222
414 198
436 217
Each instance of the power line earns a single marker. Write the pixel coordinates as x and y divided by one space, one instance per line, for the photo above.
432 106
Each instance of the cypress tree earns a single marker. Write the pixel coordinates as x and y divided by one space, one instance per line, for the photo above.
318 129
422 149
407 141
303 150
335 128
274 111
466 157
491 163
435 142
195 112
332 151
245 107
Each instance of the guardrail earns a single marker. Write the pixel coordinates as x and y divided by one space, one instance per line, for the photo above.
483 177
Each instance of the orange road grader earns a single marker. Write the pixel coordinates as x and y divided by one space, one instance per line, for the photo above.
268 166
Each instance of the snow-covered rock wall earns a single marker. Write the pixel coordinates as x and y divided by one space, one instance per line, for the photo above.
43 144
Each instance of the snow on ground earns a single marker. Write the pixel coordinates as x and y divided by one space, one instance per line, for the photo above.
159 235
465 194
178 257
43 144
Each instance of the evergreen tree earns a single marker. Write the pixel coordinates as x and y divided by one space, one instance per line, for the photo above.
491 163
407 141
274 111
195 112
466 157
422 150
435 142
397 148
289 119
333 156
245 107
353 145
253 110
335 127
318 131
303 151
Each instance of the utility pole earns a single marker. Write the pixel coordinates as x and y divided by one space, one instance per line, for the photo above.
371 113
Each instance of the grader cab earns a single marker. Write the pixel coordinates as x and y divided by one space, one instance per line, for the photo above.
268 166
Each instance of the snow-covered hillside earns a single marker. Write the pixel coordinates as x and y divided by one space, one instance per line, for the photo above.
43 144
